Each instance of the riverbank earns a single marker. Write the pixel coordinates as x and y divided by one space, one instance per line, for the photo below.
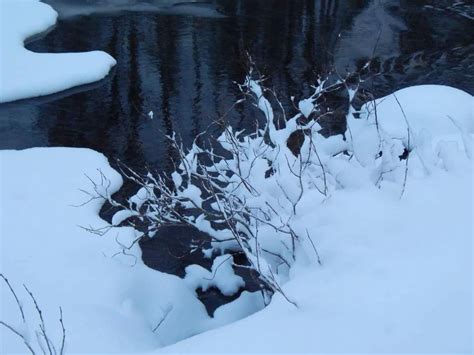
396 274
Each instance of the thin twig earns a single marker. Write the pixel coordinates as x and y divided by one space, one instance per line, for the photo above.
14 295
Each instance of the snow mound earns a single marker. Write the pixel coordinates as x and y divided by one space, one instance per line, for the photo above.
396 273
110 300
221 276
437 109
25 74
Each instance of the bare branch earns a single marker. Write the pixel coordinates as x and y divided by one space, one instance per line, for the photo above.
15 296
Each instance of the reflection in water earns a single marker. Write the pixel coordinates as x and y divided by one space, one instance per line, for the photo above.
182 67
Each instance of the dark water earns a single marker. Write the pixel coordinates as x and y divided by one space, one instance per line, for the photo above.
180 62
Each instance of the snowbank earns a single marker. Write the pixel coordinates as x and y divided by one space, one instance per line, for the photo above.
396 277
26 74
110 300
396 272
108 305
435 109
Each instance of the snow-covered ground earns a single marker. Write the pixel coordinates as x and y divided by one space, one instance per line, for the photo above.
396 273
396 277
111 302
25 74
44 248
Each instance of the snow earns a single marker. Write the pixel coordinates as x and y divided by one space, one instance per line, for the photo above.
106 303
221 276
306 107
404 288
27 74
395 274
110 300
430 108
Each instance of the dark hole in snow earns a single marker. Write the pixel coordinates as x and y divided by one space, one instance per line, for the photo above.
213 298
405 154
170 250
173 248
295 141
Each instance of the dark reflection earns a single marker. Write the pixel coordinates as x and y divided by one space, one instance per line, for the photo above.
182 67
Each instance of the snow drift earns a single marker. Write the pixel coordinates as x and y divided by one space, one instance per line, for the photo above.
111 301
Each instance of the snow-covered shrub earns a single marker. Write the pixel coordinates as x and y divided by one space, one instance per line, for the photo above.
247 191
